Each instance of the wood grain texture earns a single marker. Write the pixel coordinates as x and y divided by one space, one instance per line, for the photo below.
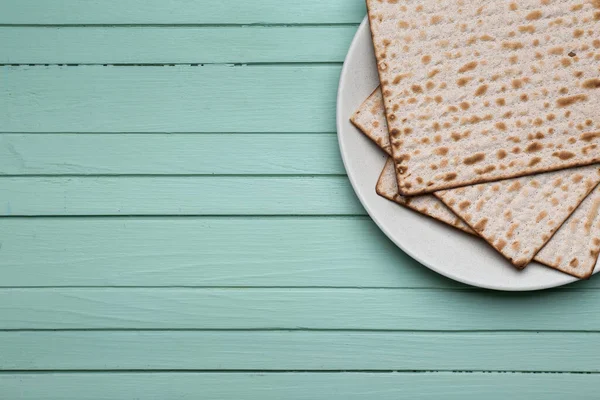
180 12
189 251
168 99
300 386
111 179
170 154
301 351
310 251
262 308
179 195
175 44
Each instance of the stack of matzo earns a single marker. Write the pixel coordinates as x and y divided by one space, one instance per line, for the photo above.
490 112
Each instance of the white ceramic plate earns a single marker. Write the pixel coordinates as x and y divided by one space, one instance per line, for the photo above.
444 249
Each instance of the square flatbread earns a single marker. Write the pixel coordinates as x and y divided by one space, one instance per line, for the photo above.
478 91
518 216
428 205
369 119
575 247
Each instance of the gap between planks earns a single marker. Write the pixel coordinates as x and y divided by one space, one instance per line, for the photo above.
289 371
184 25
296 330
231 65
170 175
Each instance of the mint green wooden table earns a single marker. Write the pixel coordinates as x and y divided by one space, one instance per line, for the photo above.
177 223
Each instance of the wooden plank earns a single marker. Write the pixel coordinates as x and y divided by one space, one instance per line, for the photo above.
178 195
310 251
300 351
173 45
180 12
210 98
236 308
299 386
169 154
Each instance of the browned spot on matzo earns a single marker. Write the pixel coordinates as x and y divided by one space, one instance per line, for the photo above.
564 155
481 90
533 147
589 136
463 81
534 161
449 176
567 101
468 67
512 45
537 14
480 225
442 151
591 83
474 159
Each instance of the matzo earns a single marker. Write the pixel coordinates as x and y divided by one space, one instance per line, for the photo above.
478 91
370 120
429 205
518 216
585 241
575 246
573 249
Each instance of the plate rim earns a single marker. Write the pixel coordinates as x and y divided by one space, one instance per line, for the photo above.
353 181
